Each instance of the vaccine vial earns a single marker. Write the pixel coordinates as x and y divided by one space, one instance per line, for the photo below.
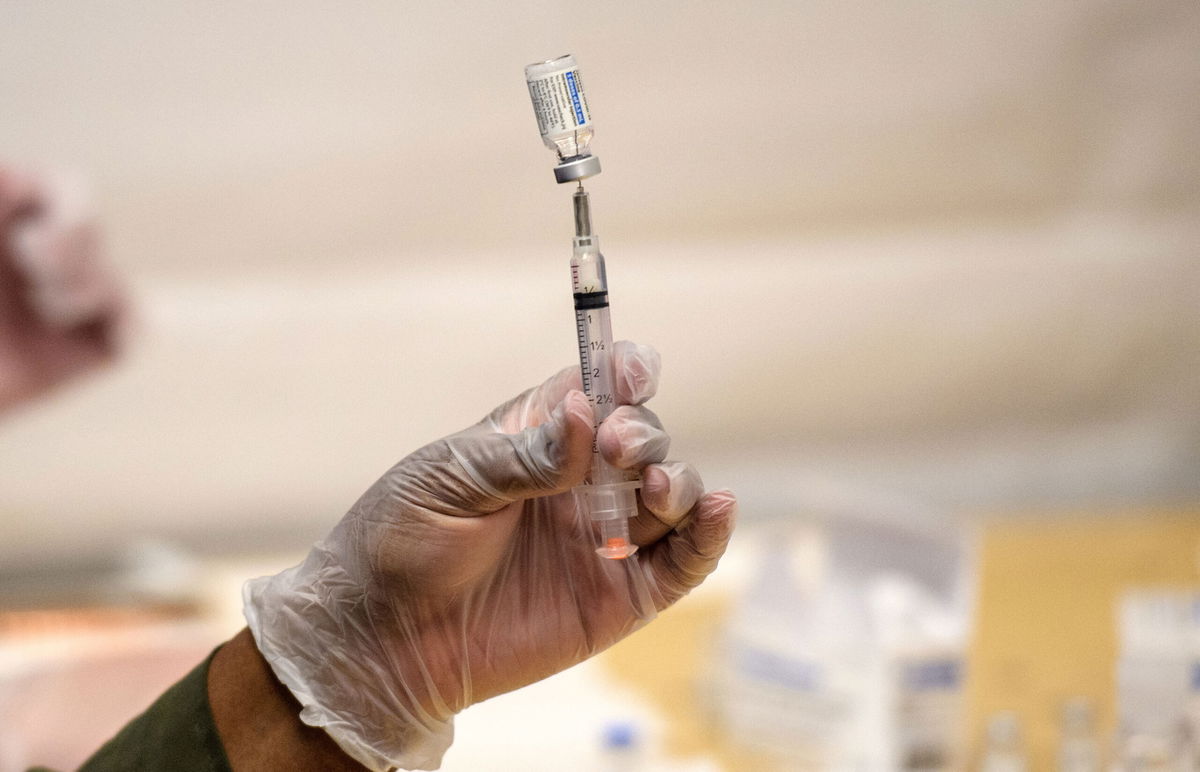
563 117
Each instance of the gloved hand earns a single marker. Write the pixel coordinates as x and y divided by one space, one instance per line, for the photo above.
60 309
464 572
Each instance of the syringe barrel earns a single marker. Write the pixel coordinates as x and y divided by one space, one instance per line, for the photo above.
608 494
608 498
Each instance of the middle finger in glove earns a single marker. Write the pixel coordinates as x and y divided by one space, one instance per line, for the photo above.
669 492
632 437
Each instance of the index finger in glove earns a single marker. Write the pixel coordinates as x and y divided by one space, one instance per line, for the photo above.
532 406
636 369
479 473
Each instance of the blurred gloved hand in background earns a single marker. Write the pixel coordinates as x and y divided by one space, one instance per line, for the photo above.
465 572
60 308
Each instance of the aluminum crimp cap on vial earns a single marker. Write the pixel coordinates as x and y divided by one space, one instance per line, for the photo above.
577 168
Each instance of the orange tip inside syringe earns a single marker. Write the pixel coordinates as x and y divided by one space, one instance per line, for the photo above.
610 506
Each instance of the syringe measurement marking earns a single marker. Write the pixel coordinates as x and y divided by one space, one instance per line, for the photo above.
588 302
585 365
587 371
590 370
581 334
588 299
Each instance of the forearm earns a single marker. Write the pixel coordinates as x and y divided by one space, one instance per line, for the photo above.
258 719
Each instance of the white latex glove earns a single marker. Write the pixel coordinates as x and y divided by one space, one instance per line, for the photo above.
464 572
60 308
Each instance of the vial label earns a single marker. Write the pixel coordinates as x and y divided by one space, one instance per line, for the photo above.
559 102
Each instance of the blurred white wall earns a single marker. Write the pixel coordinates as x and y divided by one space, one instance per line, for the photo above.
943 249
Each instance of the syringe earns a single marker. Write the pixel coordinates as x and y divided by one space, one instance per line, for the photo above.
608 497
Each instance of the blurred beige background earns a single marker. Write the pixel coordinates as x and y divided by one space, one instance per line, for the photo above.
944 250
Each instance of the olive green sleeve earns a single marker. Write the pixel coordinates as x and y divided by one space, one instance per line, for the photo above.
177 732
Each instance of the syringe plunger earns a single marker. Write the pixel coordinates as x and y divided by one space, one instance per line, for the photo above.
609 505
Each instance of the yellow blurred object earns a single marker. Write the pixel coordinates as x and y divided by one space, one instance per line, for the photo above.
1046 627
667 664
